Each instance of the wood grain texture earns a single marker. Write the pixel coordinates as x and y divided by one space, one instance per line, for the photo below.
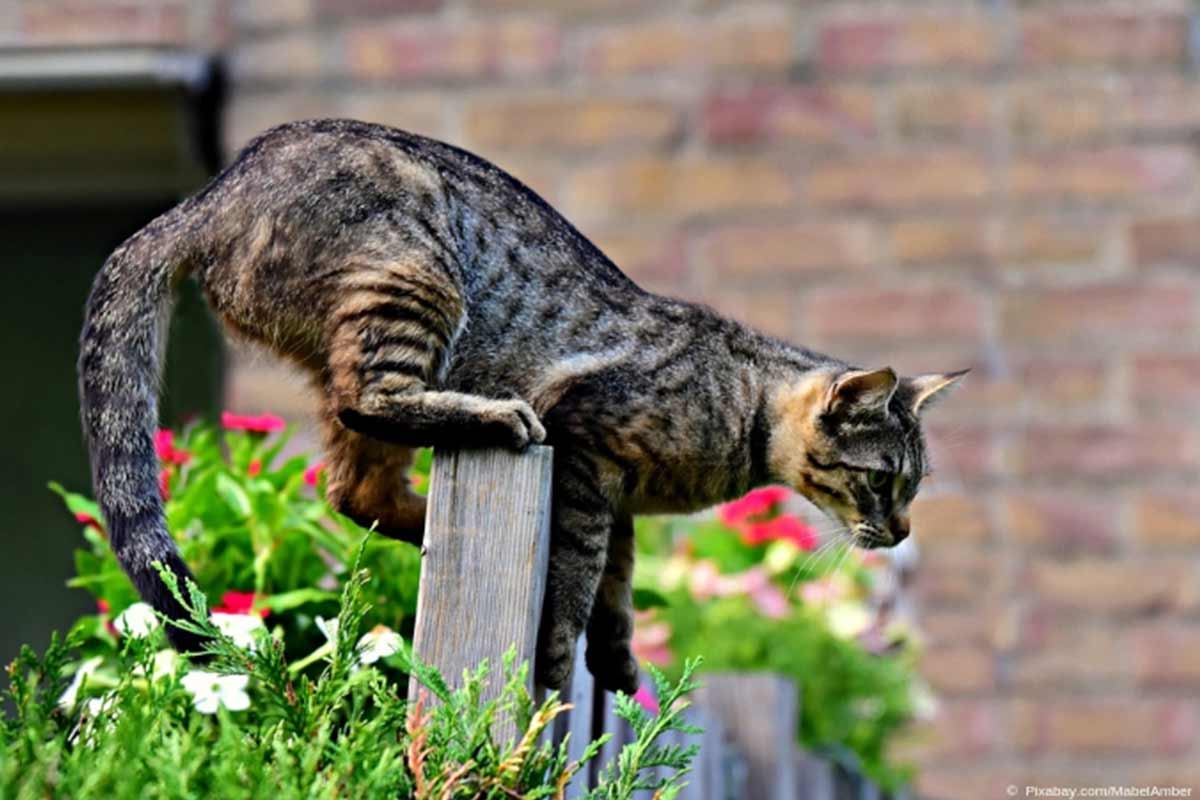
758 712
814 776
487 543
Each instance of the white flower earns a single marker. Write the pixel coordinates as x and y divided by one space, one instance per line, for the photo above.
93 709
210 691
328 627
847 620
379 642
87 668
241 628
138 621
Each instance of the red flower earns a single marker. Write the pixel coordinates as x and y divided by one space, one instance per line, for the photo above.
264 423
102 605
313 473
89 521
164 483
240 603
786 527
756 504
254 468
164 445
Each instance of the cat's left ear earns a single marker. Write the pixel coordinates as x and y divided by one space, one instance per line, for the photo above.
924 390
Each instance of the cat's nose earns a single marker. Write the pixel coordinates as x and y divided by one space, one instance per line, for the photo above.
899 527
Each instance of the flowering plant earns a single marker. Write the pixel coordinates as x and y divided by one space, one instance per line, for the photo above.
254 526
754 589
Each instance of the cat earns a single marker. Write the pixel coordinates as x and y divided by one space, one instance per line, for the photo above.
437 301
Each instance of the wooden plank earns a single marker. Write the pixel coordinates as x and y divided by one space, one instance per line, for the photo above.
814 777
577 722
758 712
487 543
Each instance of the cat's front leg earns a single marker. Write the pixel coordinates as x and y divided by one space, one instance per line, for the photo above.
610 629
581 521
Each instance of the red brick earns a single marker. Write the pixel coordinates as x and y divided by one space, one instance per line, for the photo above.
809 116
1117 587
125 23
656 257
1105 452
942 240
276 14
950 516
1157 105
569 123
340 9
1063 522
900 181
1168 518
963 111
1167 385
686 188
842 314
1098 727
420 112
1104 176
1092 316
1159 240
959 453
1066 388
1048 240
964 728
761 43
961 577
1061 111
769 310
909 41
1168 656
285 57
1083 35
1075 657
766 251
418 50
959 669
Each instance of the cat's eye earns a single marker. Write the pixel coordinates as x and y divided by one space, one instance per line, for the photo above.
879 480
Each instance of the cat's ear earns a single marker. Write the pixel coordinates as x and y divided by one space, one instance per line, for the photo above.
861 390
925 390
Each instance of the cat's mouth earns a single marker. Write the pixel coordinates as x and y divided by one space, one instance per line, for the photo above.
870 537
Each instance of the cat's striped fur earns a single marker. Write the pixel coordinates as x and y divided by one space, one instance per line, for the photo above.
435 300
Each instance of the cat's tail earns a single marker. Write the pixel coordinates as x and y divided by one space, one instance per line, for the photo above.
120 360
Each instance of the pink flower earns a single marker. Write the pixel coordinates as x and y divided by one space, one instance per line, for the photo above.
240 603
645 697
650 640
254 468
313 473
755 504
706 581
766 596
264 423
89 521
164 483
168 453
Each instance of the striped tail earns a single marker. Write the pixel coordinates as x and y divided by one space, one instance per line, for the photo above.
120 360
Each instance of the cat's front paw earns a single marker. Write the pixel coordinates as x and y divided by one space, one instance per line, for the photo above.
520 422
614 668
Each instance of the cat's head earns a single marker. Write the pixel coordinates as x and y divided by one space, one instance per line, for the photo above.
851 442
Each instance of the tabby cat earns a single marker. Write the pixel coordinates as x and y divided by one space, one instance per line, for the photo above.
435 300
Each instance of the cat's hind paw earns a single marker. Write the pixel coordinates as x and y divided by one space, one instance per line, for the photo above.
614 669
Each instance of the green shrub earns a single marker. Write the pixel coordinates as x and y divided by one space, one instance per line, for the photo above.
249 725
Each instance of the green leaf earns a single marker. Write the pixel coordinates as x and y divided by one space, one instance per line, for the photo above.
644 599
234 496
287 601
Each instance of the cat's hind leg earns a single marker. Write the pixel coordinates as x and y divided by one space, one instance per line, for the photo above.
368 482
610 628
391 334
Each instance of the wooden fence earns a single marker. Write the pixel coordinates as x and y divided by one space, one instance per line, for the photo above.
487 542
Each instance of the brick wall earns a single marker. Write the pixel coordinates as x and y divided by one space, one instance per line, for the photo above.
1008 184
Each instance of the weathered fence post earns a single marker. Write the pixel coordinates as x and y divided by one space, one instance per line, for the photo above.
483 573
758 712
